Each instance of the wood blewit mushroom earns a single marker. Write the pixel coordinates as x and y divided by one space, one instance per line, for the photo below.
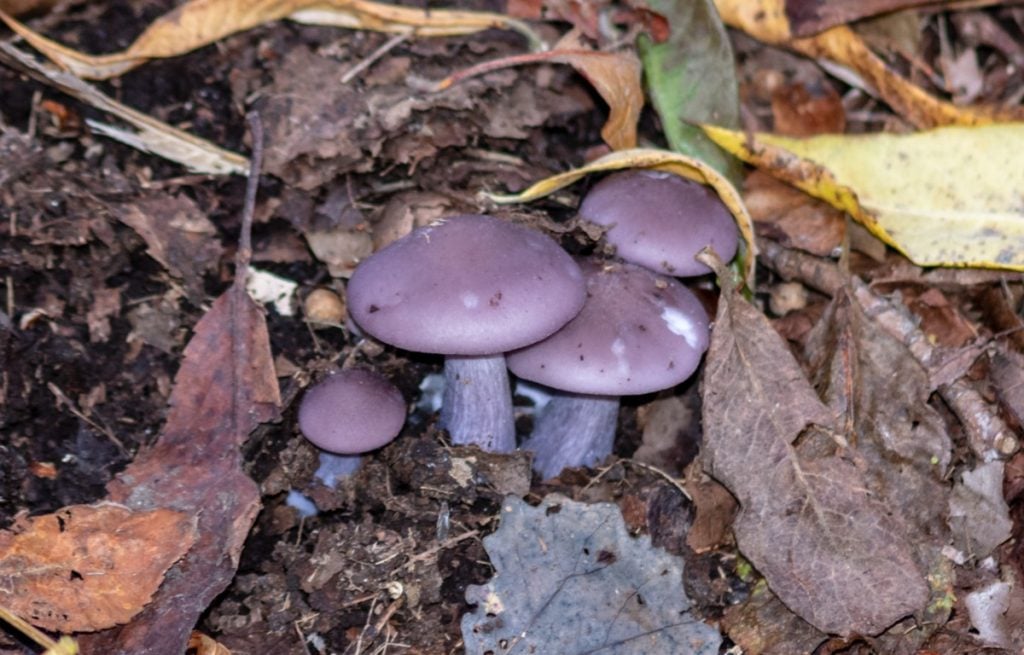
661 221
351 412
638 332
469 287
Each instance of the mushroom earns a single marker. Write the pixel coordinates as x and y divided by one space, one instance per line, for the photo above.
661 221
352 412
639 332
469 287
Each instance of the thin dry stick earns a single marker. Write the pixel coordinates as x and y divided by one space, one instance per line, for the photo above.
373 57
62 399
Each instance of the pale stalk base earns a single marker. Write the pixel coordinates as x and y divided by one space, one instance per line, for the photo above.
573 430
477 405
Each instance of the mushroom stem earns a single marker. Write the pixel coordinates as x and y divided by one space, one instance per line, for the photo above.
477 405
336 467
573 430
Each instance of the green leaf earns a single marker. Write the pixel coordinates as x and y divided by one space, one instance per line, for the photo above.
691 79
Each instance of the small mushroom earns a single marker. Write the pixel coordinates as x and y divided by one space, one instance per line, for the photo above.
639 332
469 287
352 412
661 221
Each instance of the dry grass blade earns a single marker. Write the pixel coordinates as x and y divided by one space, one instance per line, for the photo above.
152 136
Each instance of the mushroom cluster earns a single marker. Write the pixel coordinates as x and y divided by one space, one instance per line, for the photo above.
471 288
639 331
475 288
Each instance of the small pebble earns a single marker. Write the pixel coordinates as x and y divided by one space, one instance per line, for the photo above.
325 307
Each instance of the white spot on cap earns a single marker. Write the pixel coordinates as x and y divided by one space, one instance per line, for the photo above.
470 300
679 324
619 350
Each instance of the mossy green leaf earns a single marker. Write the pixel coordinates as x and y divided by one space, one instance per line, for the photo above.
691 78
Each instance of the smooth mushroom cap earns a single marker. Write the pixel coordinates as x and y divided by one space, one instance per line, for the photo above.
466 285
661 221
351 412
638 332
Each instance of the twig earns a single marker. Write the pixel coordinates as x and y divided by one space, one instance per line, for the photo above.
252 185
373 57
62 399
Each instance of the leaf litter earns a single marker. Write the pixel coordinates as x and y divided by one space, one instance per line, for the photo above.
914 376
570 579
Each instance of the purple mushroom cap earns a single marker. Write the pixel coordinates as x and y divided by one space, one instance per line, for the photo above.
351 412
638 332
469 287
660 220
466 285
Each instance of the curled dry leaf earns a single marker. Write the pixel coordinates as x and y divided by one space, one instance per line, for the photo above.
807 17
766 20
614 75
661 160
90 567
201 22
200 644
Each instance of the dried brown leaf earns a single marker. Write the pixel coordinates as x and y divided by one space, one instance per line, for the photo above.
978 513
226 386
90 567
177 235
879 393
799 110
106 304
791 217
200 644
808 521
614 75
807 17
15 7
715 508
762 625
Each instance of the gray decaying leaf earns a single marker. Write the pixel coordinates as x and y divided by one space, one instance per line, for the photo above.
978 513
809 521
987 609
571 580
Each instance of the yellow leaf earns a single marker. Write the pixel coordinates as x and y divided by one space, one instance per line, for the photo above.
766 20
662 160
946 197
200 22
